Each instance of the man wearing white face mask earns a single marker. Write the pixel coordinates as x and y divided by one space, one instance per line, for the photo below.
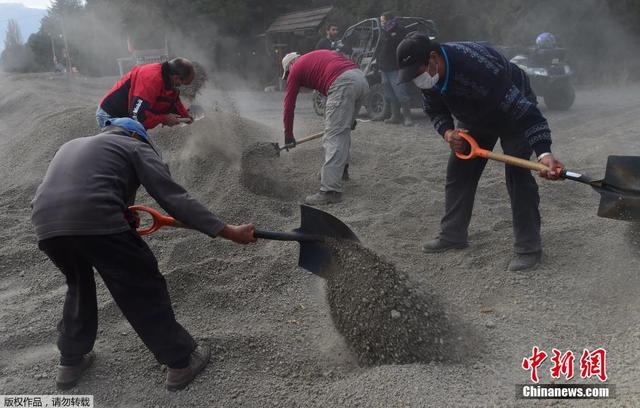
492 98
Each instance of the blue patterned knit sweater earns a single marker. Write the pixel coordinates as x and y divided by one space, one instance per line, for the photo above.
483 90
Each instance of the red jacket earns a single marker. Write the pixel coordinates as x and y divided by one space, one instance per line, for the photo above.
314 70
144 94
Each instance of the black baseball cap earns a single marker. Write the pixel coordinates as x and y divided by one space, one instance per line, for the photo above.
412 53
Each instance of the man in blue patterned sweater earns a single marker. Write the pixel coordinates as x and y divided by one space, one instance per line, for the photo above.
492 99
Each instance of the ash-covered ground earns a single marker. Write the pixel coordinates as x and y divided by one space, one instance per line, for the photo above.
270 324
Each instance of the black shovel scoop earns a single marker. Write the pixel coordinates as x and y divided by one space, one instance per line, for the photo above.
316 227
619 190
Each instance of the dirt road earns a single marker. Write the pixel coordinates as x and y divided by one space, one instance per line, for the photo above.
267 321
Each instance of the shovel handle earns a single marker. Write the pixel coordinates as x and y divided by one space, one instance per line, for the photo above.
160 221
286 236
303 140
477 151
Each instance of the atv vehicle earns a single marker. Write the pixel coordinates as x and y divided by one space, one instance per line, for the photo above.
550 75
360 42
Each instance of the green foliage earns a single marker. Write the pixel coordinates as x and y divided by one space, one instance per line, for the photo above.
15 57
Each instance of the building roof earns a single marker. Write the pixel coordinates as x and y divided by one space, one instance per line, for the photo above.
300 20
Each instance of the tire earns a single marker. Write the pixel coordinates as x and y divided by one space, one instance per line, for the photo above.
375 102
561 97
319 102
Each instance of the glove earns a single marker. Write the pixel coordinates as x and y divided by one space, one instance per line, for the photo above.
132 218
291 142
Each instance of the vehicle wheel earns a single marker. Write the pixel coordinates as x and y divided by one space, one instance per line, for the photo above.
319 102
560 98
375 102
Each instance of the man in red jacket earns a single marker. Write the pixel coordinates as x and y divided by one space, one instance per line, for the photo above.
345 86
149 94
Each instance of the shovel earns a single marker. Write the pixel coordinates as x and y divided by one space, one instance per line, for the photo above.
316 227
291 145
196 112
619 190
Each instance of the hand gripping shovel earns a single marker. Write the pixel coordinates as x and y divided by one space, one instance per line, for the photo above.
316 227
619 190
196 112
291 145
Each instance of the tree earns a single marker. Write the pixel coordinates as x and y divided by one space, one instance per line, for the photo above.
13 37
15 57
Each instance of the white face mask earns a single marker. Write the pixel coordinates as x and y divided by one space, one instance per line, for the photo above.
425 80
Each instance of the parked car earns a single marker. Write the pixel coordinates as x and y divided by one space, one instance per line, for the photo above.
550 75
548 70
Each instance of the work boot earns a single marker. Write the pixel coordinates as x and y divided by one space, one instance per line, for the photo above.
396 117
406 114
524 262
386 113
324 197
178 378
68 376
440 245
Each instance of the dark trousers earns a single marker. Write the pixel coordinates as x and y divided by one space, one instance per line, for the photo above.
130 272
462 182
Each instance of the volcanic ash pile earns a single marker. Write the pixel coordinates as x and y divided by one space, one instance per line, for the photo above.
383 318
263 174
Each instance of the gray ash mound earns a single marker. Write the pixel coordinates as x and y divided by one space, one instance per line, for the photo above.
263 174
383 317
220 146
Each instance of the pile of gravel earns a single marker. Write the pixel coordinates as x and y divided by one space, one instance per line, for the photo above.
262 174
383 317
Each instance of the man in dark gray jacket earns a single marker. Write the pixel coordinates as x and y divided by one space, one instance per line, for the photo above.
82 221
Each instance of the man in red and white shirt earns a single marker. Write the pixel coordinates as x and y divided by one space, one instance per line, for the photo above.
345 86
149 94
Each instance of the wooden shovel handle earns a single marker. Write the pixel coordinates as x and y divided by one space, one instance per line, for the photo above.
308 138
477 151
516 161
305 139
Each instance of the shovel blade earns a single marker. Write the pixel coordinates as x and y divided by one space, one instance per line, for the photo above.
620 189
315 255
196 112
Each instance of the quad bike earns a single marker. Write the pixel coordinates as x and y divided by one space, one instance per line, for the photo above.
360 42
550 75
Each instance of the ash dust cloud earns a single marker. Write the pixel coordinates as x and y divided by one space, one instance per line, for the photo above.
390 325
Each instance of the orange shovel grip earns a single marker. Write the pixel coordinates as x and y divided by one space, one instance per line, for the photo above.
159 220
476 151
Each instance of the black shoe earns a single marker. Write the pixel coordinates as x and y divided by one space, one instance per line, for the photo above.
524 262
439 245
68 376
178 378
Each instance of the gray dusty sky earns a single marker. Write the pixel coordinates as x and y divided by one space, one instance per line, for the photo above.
41 4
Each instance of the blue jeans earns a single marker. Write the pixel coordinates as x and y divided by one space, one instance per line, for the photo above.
102 117
393 91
